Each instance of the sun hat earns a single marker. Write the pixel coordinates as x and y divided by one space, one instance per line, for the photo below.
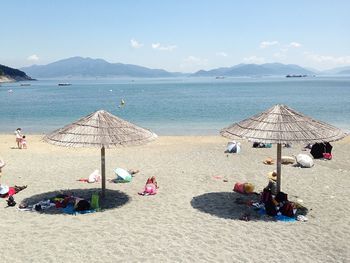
4 189
272 176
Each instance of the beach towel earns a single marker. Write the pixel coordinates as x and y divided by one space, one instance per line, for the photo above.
287 159
282 218
69 209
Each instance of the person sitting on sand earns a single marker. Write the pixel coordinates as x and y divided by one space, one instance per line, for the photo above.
18 137
151 187
6 191
272 185
24 142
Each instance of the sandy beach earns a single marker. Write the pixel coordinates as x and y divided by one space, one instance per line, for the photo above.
193 218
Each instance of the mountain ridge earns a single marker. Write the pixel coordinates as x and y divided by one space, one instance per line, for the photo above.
8 74
88 67
254 70
80 67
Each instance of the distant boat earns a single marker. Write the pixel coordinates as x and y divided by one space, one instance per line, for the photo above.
25 84
296 76
220 77
122 103
64 84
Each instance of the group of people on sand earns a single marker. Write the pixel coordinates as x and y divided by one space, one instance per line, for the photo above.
20 139
125 176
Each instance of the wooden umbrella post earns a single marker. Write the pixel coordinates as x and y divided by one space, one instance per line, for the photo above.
279 157
103 171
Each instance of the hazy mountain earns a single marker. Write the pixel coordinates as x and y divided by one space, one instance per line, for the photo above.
338 70
255 70
8 74
88 67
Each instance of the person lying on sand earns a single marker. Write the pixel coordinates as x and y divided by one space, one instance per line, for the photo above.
151 187
6 191
123 176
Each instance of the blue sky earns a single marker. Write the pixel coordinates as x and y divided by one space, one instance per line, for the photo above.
182 35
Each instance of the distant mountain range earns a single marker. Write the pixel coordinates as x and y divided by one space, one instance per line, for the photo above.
340 70
255 70
8 74
79 67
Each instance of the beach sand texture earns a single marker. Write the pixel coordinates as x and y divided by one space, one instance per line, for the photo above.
193 218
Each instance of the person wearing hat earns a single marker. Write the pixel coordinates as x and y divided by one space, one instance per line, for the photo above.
6 191
272 185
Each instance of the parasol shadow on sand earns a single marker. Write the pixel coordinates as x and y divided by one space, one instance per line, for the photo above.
281 125
114 199
102 130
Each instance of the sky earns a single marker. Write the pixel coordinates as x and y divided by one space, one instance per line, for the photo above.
177 35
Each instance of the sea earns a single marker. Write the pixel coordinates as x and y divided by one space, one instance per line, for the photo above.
175 106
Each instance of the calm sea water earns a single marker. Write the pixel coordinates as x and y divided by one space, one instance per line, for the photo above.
171 106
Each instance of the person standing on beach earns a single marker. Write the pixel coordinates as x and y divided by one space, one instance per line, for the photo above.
18 137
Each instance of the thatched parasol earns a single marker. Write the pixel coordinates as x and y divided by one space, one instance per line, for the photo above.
100 129
281 124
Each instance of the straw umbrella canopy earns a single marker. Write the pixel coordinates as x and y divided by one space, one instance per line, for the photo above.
279 125
102 130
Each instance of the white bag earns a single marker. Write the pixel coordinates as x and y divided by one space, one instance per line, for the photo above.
305 160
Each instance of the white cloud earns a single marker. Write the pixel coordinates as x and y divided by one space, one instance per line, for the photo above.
266 44
33 58
330 59
164 48
135 44
254 59
221 54
294 44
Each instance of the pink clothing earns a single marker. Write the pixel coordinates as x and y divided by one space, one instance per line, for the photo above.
150 189
11 191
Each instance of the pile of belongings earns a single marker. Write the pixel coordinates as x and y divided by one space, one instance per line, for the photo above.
244 188
322 150
261 145
70 204
280 207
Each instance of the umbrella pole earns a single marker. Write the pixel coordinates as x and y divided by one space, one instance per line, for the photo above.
103 171
279 154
